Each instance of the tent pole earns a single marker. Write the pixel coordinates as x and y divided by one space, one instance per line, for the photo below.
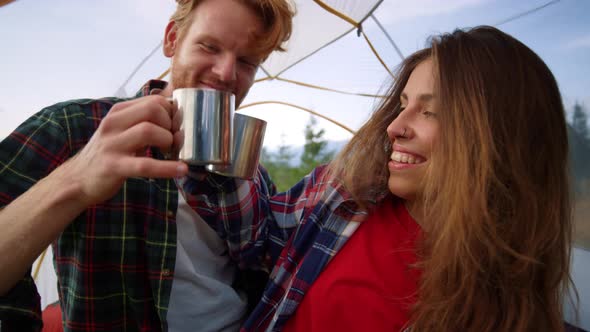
302 109
38 267
399 52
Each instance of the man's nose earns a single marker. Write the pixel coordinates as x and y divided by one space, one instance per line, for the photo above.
225 68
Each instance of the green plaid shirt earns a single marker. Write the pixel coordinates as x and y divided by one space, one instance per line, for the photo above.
115 261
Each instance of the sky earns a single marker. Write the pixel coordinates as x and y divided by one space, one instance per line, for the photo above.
65 49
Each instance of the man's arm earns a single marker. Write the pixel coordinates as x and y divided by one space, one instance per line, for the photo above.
37 217
34 220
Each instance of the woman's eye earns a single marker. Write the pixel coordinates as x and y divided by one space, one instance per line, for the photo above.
428 114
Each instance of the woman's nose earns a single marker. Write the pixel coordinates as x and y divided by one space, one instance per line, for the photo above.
399 126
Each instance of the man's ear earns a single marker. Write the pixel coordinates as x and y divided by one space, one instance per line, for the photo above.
170 39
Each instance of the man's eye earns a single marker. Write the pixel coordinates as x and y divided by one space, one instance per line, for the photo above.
208 47
250 63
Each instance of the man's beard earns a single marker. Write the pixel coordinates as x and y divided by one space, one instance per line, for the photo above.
181 79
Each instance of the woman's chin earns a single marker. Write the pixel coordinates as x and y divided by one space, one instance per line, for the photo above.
400 187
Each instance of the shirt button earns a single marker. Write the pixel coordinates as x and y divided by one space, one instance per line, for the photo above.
165 273
170 214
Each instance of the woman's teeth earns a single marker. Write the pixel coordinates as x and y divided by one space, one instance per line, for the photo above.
405 158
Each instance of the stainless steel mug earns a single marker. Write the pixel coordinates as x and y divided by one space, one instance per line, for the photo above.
206 125
248 140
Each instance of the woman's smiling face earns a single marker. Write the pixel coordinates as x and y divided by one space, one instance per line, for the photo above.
413 133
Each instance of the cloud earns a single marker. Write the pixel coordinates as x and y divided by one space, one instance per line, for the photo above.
577 43
396 11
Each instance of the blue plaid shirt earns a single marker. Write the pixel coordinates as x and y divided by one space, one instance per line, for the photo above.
295 234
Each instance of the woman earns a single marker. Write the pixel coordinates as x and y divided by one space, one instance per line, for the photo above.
452 201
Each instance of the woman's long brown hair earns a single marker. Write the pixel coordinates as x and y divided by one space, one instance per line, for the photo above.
496 240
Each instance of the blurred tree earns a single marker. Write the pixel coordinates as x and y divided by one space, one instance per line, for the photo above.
281 166
579 142
579 139
580 122
315 150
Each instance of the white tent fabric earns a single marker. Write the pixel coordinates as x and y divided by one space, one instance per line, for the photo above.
318 24
315 27
46 280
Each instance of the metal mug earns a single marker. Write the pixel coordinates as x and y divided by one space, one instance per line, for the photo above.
248 140
206 125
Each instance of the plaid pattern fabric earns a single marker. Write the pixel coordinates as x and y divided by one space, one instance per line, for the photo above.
295 233
115 261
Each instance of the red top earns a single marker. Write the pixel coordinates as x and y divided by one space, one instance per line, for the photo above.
52 318
370 284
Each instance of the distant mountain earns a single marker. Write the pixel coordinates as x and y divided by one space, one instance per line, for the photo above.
297 150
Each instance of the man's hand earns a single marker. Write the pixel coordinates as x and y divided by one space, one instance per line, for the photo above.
37 217
115 151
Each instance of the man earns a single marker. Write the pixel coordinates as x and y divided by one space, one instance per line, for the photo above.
89 176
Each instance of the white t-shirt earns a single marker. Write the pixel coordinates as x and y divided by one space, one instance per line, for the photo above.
202 297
